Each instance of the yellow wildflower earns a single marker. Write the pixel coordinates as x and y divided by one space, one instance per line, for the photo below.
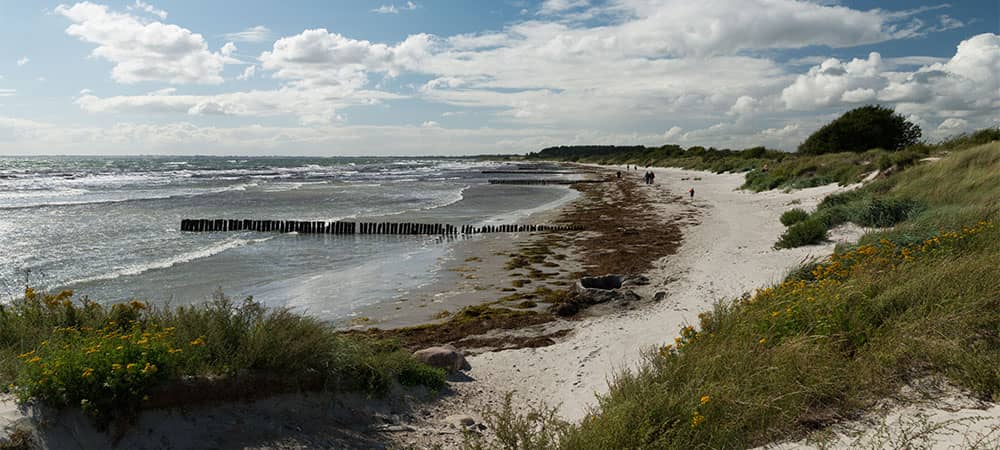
705 399
34 360
697 419
88 372
199 341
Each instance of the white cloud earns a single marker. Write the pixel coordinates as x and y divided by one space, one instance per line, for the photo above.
228 49
257 33
23 61
964 86
559 6
673 133
248 73
320 58
744 105
700 67
914 60
430 124
7 92
946 22
141 50
318 105
139 5
827 83
393 9
952 124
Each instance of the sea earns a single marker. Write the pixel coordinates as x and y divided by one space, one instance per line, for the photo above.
108 227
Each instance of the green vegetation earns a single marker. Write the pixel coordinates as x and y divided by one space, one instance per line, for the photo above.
921 299
860 129
806 232
793 216
112 360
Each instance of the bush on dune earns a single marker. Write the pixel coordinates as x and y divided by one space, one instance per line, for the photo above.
793 216
806 232
861 129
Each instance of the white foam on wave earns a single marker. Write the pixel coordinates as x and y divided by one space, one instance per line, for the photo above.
452 198
57 200
138 269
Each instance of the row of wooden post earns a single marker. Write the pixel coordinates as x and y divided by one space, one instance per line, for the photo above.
321 227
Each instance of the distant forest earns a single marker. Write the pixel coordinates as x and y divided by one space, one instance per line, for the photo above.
643 153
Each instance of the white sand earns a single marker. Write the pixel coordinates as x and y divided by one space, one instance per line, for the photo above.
939 417
728 253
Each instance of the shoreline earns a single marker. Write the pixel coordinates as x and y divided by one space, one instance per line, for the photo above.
470 273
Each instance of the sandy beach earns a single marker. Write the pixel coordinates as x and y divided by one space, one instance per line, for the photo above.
727 250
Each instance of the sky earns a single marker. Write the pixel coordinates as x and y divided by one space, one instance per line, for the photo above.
425 77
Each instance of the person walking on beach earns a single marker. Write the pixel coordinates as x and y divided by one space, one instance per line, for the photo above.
691 191
652 176
619 173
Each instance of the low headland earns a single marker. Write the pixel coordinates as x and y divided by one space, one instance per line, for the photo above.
866 317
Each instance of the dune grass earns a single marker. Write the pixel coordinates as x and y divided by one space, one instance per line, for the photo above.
920 299
110 360
922 199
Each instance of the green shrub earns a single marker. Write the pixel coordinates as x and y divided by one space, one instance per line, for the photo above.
793 216
882 213
861 129
807 232
106 371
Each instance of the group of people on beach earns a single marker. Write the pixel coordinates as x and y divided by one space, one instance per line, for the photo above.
649 177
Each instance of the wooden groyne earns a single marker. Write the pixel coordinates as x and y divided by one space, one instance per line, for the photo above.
543 181
321 227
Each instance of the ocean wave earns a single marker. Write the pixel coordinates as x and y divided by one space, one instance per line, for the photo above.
98 201
165 263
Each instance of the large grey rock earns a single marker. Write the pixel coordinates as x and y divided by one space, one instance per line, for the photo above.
446 357
605 282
